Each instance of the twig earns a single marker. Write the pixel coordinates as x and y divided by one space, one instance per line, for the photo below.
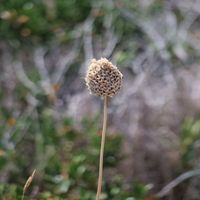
177 181
102 149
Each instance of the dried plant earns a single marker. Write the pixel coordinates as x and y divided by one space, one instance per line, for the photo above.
28 183
103 79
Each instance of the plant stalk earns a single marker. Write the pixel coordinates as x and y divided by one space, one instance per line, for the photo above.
103 137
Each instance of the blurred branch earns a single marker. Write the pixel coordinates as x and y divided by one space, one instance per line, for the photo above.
148 29
40 64
111 44
129 92
87 42
177 181
65 61
23 131
186 24
24 78
189 4
7 72
87 38
111 38
184 28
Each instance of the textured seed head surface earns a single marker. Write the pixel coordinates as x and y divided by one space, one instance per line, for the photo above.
103 78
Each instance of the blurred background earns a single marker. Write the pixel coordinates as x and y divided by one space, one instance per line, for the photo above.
50 122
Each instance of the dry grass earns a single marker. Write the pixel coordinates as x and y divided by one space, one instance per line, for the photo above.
28 183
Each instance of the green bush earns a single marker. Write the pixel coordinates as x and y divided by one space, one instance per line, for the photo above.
66 161
34 22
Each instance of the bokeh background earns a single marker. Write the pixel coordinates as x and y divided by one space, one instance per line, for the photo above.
50 122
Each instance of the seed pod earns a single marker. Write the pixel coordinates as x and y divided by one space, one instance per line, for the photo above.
103 78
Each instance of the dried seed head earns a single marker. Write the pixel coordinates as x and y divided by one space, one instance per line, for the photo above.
103 78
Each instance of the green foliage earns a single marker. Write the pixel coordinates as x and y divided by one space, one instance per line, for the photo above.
10 191
66 161
190 141
33 22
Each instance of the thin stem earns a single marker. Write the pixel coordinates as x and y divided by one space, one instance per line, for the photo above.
102 148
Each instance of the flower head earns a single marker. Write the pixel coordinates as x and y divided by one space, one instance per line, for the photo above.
103 78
